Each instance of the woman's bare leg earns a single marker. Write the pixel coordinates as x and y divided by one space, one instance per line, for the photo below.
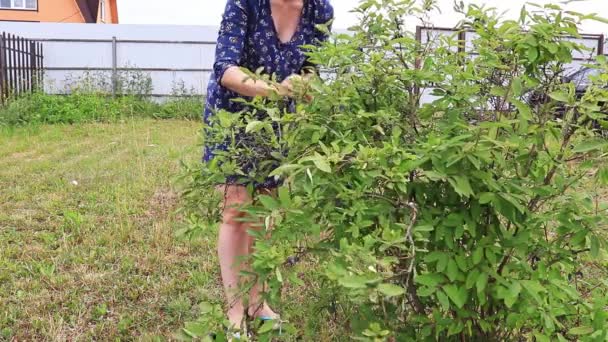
258 307
233 245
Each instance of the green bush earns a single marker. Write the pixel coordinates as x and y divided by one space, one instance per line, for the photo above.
89 99
90 107
465 218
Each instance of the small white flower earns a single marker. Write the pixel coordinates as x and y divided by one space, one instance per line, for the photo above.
74 182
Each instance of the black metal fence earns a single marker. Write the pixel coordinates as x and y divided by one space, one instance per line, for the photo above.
21 66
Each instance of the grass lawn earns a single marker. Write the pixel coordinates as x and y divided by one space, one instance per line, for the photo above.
87 245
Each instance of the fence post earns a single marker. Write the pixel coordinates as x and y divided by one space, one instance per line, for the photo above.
41 65
2 68
11 64
114 67
33 84
20 79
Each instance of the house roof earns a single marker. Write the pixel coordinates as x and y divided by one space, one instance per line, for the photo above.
88 8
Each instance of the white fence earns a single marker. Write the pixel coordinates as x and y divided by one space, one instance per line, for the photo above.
595 43
173 56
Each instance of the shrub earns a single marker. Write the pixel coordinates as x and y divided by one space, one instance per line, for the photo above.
88 97
463 218
91 107
127 82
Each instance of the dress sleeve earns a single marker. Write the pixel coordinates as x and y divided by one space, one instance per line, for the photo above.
324 14
231 39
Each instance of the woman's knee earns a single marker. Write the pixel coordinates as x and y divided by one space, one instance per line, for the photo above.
235 197
232 216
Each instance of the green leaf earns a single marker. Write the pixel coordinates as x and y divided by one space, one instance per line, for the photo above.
254 126
533 288
455 328
205 308
462 263
532 54
509 198
548 321
560 96
195 329
481 282
591 145
434 176
553 7
461 186
523 109
443 300
578 331
391 290
442 262
424 291
424 228
279 275
477 255
512 294
471 279
429 279
284 169
226 119
322 165
602 175
596 17
517 86
354 282
434 256
453 220
452 271
458 295
486 197
541 338
595 246
268 326
268 202
285 196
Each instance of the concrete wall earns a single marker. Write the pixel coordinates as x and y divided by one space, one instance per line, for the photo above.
173 56
170 55
65 11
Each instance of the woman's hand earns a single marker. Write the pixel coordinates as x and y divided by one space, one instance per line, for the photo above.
294 85
290 83
236 80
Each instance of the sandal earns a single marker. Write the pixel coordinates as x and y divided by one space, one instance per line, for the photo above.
237 336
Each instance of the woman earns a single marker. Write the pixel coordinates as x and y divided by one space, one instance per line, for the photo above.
254 34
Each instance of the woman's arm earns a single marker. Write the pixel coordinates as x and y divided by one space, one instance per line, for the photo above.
229 53
236 80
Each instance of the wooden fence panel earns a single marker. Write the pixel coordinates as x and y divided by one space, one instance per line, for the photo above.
21 66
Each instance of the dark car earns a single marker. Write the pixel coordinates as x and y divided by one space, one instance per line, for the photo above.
582 79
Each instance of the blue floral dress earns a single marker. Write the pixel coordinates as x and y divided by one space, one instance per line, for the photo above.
248 38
